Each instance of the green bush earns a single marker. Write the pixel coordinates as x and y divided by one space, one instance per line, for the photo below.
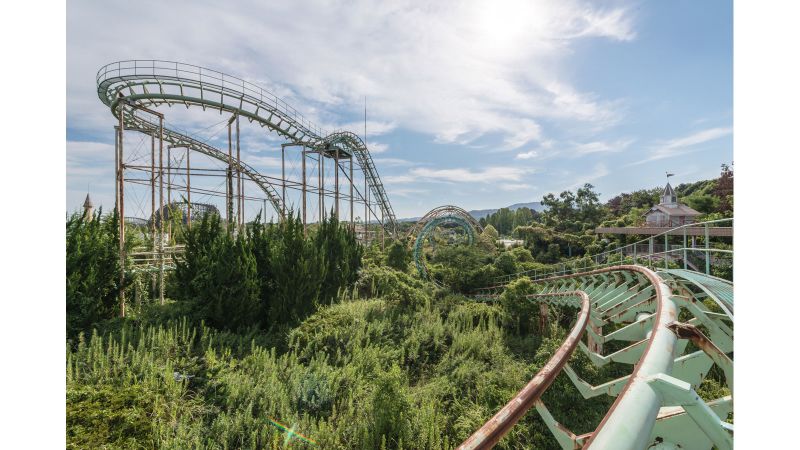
219 276
93 270
398 256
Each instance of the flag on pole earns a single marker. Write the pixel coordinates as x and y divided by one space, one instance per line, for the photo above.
670 174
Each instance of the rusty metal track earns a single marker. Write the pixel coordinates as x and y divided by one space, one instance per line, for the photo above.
502 422
657 403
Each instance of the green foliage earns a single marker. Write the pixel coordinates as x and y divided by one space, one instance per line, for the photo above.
398 256
573 212
625 203
339 256
463 268
522 254
490 232
505 220
219 276
93 270
272 274
502 220
703 203
519 311
505 263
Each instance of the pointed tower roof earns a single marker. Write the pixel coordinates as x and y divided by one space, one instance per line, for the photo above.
668 191
88 202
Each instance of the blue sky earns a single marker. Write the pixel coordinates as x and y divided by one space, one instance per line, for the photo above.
478 104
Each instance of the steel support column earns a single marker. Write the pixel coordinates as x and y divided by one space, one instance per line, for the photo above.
240 202
229 175
708 254
153 202
352 217
116 169
303 152
283 182
685 262
188 190
121 208
321 173
169 192
161 208
336 180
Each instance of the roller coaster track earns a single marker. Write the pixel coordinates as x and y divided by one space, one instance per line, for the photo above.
441 215
648 318
129 85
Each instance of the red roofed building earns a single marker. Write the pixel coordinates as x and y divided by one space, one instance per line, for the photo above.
670 213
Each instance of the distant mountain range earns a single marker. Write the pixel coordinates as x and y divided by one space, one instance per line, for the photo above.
480 213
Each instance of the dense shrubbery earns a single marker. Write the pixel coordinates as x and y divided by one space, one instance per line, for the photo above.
219 276
398 256
93 270
406 368
463 268
272 274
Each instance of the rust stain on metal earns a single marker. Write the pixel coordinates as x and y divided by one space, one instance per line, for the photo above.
691 332
495 428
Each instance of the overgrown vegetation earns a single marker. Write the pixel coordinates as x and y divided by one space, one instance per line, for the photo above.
271 274
344 344
93 270
396 364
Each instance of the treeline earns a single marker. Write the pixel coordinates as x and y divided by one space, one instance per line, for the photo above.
267 273
505 220
565 229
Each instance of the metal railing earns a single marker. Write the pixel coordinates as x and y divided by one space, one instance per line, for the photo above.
229 83
650 257
144 259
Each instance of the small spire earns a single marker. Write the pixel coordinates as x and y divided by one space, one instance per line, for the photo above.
88 202
668 190
669 197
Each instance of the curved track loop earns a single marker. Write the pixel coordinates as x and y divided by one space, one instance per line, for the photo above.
439 216
657 402
151 83
444 211
502 422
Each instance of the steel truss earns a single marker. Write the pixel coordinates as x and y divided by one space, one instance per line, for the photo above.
133 89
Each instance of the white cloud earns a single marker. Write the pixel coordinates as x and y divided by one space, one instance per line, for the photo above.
454 70
601 147
374 128
398 179
515 186
393 162
377 147
462 175
459 175
408 192
682 145
262 161
550 149
528 155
